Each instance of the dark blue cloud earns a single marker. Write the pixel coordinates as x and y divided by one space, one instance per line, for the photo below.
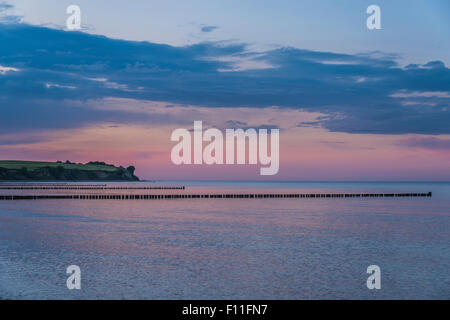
426 143
5 6
208 28
56 69
5 17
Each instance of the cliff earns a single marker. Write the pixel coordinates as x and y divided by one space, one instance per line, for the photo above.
67 171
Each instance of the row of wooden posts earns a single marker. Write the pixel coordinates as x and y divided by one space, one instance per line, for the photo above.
211 196
88 188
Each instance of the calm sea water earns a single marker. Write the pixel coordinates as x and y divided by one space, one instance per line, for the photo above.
229 249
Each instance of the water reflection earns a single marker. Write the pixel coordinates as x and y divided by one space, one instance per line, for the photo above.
240 248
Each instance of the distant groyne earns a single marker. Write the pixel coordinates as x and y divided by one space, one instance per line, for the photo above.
212 196
87 187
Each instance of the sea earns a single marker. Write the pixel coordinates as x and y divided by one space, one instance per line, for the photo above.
270 248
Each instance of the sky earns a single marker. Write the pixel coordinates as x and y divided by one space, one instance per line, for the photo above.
350 103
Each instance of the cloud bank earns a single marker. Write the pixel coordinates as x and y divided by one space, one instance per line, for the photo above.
47 75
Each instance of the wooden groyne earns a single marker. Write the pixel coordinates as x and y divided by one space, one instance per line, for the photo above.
212 196
87 188
35 184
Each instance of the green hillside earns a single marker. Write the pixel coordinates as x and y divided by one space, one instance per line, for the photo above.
34 165
40 170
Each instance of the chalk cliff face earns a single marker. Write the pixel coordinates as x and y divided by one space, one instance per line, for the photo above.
60 173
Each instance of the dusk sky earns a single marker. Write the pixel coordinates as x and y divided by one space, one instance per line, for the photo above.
350 103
